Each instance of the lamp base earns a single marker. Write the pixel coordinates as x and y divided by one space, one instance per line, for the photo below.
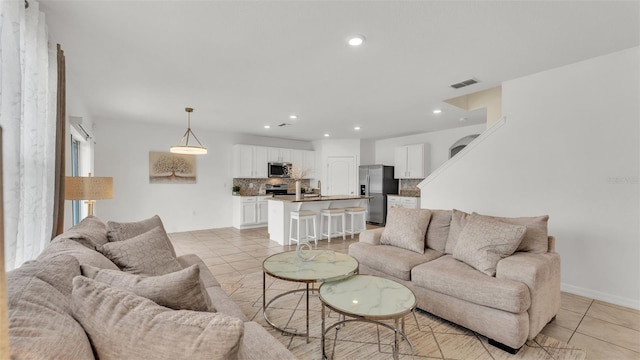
90 204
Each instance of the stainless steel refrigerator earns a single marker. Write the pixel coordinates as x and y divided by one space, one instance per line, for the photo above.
377 181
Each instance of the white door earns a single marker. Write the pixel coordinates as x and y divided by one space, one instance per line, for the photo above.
341 175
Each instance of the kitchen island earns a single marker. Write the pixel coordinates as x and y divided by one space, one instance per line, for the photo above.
280 208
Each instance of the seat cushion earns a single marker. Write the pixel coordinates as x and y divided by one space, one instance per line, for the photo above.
406 228
122 325
179 290
449 276
391 260
41 323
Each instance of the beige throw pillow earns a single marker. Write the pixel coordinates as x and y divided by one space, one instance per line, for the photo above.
484 241
536 238
180 290
406 228
120 231
122 325
145 254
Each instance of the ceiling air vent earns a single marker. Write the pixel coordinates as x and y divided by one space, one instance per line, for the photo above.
283 124
464 83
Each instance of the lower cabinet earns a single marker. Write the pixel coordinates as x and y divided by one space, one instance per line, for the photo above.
250 211
404 201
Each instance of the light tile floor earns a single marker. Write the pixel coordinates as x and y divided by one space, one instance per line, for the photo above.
604 330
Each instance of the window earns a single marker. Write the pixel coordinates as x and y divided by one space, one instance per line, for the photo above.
75 161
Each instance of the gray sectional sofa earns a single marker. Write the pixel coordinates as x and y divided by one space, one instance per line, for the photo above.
499 277
75 302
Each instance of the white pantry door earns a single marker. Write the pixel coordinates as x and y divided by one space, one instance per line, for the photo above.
341 175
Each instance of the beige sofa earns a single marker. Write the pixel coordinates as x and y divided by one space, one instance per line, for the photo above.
508 306
55 313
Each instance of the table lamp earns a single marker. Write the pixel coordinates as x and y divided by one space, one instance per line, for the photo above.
88 188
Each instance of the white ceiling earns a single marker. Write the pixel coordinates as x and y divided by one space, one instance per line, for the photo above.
245 64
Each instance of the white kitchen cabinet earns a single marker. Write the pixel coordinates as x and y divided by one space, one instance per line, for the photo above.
250 211
305 160
409 202
250 161
262 209
410 162
279 155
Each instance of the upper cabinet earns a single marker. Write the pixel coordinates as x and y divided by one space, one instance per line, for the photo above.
410 162
251 161
305 160
279 155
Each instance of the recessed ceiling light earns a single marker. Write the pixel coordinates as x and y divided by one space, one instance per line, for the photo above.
267 127
463 119
326 135
293 117
437 111
355 40
356 128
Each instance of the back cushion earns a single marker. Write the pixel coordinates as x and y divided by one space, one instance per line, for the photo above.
83 254
458 220
438 230
120 231
535 238
41 325
91 232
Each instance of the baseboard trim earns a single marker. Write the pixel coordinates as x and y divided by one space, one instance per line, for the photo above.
598 295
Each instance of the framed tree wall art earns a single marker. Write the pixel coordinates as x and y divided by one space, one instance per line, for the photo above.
170 168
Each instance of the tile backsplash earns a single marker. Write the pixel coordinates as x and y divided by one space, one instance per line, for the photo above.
252 186
409 187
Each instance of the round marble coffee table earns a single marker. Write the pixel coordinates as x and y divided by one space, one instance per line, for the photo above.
320 266
368 298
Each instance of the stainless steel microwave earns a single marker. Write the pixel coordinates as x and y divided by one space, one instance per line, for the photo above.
279 169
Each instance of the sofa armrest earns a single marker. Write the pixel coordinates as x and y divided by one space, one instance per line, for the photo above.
552 244
541 273
371 236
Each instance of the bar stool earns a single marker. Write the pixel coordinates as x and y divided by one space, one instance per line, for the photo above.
300 216
351 213
330 214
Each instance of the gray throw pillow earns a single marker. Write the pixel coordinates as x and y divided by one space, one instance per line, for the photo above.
180 290
484 242
120 231
406 228
122 325
41 323
145 254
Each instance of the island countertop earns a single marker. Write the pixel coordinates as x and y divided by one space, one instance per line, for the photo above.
292 198
280 208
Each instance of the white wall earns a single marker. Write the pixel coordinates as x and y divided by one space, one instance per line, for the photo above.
122 151
570 148
438 149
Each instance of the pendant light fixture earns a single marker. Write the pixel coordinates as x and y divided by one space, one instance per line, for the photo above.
183 146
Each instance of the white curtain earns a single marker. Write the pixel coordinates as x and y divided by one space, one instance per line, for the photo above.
27 116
